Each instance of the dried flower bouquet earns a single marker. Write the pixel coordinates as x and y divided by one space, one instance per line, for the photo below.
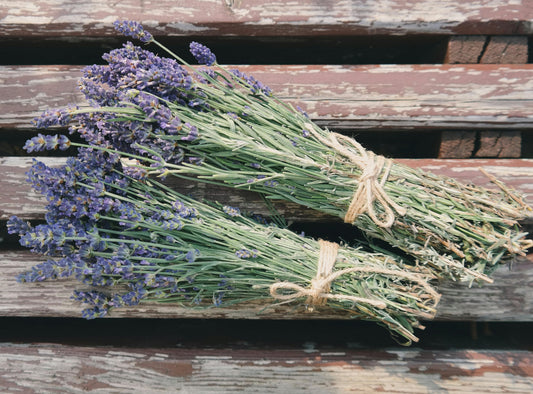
224 127
132 239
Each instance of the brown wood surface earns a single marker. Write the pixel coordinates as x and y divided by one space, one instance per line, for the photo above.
17 197
274 17
509 298
387 97
38 368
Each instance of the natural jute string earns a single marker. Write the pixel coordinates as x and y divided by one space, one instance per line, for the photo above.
319 292
370 186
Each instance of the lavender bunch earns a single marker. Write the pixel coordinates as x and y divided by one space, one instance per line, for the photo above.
222 126
131 239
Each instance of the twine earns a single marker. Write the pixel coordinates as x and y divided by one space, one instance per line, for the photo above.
318 294
370 186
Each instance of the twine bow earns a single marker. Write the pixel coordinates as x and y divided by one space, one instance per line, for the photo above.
318 293
370 186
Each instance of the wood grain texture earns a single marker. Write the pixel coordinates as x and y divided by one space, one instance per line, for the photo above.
352 97
509 298
274 17
17 197
74 369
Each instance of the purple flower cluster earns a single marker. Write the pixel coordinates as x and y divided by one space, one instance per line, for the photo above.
202 54
89 215
55 117
231 211
132 67
47 142
246 253
255 86
133 29
105 226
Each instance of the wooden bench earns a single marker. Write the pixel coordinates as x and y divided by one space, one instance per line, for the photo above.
444 86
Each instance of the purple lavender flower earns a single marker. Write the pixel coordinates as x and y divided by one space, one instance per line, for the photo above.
191 255
301 110
246 254
205 72
46 142
231 211
15 225
202 54
193 133
54 117
256 87
47 270
132 29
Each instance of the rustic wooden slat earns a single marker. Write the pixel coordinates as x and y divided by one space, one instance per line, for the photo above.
509 298
274 17
352 97
17 197
76 369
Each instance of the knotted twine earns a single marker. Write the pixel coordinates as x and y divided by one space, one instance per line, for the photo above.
319 292
370 186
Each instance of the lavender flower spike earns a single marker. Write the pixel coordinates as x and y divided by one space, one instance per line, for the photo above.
46 142
202 54
133 29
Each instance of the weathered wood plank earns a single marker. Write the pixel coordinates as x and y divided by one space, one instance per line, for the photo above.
76 369
17 198
352 97
274 17
509 298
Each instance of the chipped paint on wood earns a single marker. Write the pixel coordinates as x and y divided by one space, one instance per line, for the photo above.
57 368
381 96
274 17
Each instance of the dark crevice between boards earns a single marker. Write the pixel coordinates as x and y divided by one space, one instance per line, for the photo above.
419 49
414 144
310 335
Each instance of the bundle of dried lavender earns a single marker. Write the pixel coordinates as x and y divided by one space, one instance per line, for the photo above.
225 127
110 226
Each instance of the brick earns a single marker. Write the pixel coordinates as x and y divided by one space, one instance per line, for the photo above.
499 144
457 144
506 50
465 49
